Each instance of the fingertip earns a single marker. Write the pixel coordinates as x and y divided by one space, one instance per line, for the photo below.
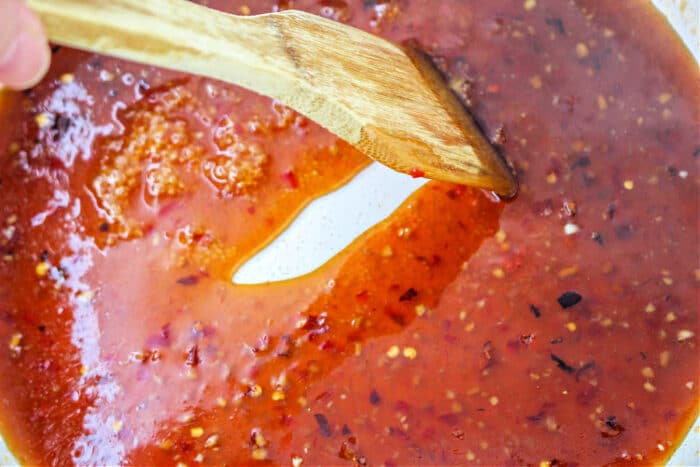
25 57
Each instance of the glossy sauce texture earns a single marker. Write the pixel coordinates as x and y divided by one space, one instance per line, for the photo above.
558 329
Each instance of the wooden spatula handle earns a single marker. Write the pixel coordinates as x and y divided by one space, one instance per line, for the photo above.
178 35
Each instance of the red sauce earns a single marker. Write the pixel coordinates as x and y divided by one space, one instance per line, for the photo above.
559 329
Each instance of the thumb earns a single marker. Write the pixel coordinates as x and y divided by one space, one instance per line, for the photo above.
24 49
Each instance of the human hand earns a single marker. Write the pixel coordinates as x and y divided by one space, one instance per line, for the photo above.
24 48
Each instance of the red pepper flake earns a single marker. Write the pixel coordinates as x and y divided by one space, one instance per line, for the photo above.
251 210
569 299
396 316
323 425
262 345
188 280
527 339
493 88
348 451
362 297
192 357
291 179
162 339
487 357
408 295
416 173
456 192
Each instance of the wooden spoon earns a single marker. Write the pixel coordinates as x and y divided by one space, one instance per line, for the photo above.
388 101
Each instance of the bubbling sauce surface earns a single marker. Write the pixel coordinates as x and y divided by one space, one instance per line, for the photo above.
559 329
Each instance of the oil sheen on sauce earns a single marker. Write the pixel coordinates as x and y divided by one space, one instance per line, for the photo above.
558 329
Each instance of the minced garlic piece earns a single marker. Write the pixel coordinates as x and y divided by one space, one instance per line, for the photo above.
259 439
86 296
581 50
211 441
165 445
410 353
664 97
117 426
602 102
393 351
42 269
255 391
684 334
43 120
15 342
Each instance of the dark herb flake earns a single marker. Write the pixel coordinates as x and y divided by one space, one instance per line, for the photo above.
611 211
374 397
561 364
624 232
188 280
535 311
597 237
557 24
323 425
613 428
583 161
569 299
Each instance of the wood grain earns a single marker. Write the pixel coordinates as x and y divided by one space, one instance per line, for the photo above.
387 101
